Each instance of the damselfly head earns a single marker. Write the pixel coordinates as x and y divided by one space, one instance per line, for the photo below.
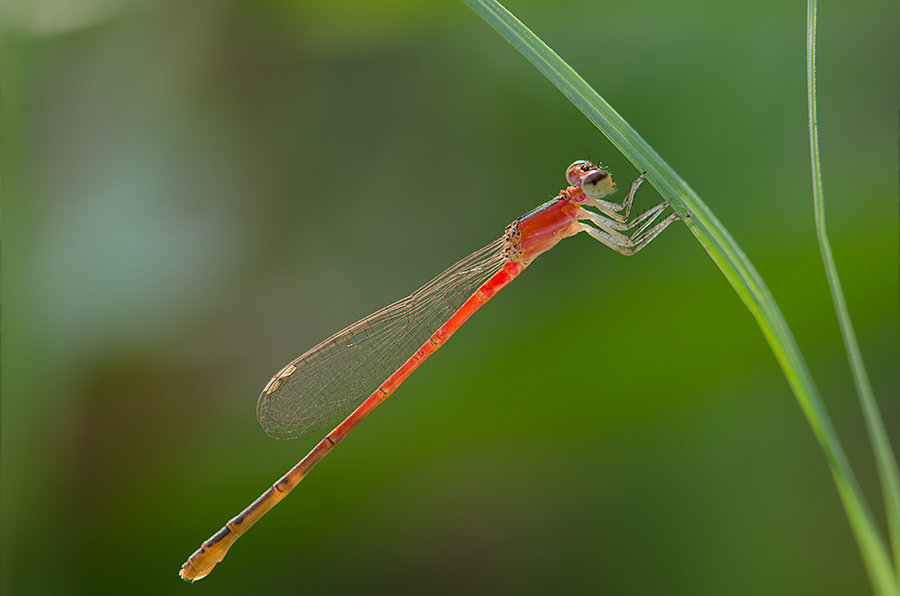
595 183
576 171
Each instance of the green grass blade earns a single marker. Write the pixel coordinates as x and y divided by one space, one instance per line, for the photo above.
730 259
884 456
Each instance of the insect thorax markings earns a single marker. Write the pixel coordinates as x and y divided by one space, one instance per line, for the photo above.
512 237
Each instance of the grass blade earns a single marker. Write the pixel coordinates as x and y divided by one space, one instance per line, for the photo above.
884 456
730 259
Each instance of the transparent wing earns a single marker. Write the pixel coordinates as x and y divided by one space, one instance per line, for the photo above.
334 377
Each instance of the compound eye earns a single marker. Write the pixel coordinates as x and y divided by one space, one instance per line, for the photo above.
575 171
597 184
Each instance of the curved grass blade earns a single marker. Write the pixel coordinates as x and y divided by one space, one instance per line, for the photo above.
730 259
884 456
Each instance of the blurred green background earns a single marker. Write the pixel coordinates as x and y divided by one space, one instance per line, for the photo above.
196 192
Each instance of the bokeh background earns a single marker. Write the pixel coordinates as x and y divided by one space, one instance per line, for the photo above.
196 192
